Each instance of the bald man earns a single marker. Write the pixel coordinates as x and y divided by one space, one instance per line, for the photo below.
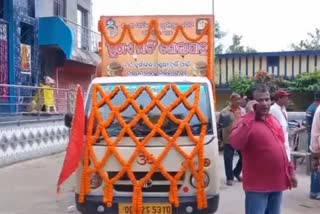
227 118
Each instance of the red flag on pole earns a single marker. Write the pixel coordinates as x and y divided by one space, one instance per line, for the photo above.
76 144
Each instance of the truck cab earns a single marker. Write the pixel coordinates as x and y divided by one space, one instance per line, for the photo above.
153 146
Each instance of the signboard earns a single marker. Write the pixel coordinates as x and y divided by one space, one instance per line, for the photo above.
25 58
180 57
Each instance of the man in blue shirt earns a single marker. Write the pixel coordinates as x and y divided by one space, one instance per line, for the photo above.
310 113
315 173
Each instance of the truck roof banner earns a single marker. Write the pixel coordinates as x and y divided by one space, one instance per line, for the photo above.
157 45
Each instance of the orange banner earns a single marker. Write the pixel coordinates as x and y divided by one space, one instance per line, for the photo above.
181 57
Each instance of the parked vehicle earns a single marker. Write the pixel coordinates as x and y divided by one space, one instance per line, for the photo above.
151 139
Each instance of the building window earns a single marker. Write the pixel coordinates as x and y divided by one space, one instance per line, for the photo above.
31 8
1 9
59 8
273 64
82 31
273 61
26 33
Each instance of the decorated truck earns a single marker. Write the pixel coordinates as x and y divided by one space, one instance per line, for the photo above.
146 137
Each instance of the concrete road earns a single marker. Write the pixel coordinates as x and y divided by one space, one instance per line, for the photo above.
30 188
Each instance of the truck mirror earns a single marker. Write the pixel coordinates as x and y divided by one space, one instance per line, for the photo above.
68 119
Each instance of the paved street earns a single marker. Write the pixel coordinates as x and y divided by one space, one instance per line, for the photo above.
30 187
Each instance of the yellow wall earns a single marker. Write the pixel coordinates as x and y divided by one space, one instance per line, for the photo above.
296 65
250 66
230 76
264 63
282 66
318 62
216 72
223 71
311 64
304 64
289 66
242 70
256 63
236 67
223 97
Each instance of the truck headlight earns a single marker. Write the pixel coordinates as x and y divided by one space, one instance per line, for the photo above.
206 180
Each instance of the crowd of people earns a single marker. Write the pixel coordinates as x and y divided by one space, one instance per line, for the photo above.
256 128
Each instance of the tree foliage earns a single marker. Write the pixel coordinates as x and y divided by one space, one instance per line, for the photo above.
219 34
306 82
243 84
311 43
237 47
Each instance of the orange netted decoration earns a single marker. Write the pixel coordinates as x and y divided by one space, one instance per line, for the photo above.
97 127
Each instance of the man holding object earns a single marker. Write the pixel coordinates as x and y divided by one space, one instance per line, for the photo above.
267 171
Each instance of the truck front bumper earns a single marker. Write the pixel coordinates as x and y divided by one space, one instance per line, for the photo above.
94 204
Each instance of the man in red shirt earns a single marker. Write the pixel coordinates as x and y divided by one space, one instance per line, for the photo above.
267 171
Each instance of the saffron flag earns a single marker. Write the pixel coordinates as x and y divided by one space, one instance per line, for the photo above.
76 144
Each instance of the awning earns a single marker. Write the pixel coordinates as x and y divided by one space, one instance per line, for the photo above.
85 56
54 31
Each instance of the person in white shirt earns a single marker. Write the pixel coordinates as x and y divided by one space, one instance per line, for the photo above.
278 110
315 161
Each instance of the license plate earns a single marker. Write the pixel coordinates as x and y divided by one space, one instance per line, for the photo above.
148 208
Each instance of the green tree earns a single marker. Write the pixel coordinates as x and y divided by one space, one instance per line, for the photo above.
242 84
218 34
311 43
236 46
306 82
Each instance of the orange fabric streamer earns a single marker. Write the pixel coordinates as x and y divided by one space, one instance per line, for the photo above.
76 145
100 126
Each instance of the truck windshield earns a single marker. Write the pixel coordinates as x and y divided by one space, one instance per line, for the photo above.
141 129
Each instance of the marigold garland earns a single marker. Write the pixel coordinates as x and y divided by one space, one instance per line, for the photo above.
154 25
92 137
210 60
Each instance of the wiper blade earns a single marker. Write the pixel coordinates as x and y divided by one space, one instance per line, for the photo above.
200 124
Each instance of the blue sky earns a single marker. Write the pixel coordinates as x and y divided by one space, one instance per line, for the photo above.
266 25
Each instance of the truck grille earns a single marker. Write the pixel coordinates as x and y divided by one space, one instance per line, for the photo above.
158 183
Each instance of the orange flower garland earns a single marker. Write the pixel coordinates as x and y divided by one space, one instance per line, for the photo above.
154 25
172 142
